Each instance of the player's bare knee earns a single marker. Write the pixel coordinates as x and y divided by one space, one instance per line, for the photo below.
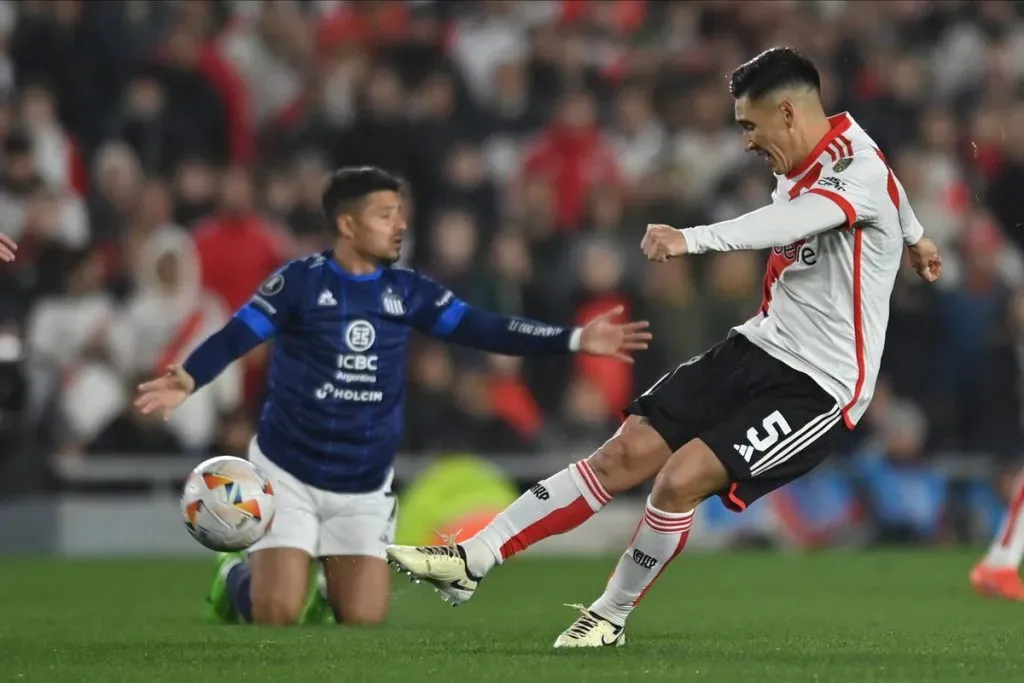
625 460
692 474
276 611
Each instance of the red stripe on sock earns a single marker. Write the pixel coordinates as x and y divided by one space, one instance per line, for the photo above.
679 549
556 522
660 521
666 519
590 479
1015 507
664 528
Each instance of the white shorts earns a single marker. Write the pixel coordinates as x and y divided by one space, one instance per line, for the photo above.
324 523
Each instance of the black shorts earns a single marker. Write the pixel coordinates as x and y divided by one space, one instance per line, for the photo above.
768 423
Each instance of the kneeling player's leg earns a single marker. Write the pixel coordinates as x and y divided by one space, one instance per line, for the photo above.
565 500
271 587
352 544
279 585
358 588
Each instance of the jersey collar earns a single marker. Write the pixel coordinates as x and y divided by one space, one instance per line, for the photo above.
840 124
336 267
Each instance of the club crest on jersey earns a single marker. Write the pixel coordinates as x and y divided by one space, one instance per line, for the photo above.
842 164
360 336
272 285
392 303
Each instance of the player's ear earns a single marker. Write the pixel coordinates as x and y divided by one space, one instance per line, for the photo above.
788 112
345 225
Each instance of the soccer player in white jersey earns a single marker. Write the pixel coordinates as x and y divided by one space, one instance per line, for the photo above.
770 402
997 575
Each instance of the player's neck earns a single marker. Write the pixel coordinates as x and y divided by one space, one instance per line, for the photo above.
809 137
352 263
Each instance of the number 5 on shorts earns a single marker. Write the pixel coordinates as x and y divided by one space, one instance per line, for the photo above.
774 426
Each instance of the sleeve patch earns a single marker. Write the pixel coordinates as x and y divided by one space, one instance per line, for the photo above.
272 285
842 164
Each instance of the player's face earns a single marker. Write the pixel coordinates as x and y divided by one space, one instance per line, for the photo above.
767 130
379 227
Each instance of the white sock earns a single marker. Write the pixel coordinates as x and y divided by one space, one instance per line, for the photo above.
558 504
659 537
1007 547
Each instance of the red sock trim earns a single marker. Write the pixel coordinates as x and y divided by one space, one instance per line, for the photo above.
660 521
592 483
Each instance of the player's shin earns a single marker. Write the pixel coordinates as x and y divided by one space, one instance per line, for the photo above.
553 506
659 537
1007 547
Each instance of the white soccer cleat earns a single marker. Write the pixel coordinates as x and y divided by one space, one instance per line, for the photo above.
443 566
591 630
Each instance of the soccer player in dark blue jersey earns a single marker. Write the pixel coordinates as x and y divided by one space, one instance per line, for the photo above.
333 416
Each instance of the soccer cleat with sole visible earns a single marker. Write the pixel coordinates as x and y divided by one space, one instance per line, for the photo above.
443 566
591 630
1003 583
218 602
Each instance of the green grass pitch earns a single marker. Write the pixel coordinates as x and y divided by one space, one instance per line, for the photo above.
842 617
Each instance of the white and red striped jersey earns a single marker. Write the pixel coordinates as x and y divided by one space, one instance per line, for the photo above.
837 227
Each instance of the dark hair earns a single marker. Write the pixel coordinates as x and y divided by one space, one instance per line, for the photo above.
353 184
774 68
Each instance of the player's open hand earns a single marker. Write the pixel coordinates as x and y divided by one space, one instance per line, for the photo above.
166 393
8 248
924 257
604 337
662 242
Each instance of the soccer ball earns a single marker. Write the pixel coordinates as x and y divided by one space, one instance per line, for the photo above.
228 503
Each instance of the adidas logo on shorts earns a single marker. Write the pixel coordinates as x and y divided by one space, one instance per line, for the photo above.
744 450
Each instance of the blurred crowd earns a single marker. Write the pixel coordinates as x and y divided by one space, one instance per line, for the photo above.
161 158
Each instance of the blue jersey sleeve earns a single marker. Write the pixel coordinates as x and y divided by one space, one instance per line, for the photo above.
438 312
269 310
275 303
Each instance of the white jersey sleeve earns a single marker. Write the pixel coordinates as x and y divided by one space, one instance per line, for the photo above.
913 231
775 225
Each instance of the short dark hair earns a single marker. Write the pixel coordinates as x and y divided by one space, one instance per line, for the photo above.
771 70
353 184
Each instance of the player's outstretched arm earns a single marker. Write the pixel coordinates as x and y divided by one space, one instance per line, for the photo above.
254 323
439 313
211 358
775 225
602 336
8 248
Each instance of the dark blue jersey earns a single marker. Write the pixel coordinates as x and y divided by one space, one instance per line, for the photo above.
334 409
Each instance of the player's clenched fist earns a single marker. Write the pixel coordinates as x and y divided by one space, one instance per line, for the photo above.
924 257
662 242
